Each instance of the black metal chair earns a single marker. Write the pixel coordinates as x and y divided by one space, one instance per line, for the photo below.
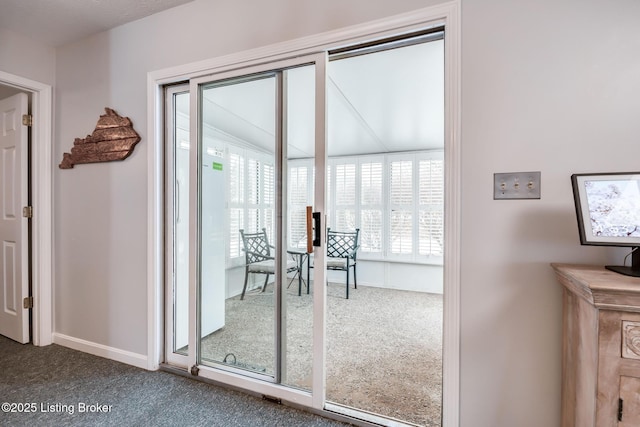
258 258
342 249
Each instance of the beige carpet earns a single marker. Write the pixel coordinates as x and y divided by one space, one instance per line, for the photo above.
384 347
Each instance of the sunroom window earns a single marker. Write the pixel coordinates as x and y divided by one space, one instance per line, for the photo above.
250 189
396 200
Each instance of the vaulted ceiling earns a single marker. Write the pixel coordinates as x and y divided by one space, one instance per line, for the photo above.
388 101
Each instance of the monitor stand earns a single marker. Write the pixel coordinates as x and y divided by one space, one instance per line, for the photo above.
634 270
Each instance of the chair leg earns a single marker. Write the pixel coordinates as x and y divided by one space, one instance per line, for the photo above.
264 287
355 280
347 281
244 288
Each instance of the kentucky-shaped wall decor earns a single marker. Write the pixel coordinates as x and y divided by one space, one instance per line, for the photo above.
112 139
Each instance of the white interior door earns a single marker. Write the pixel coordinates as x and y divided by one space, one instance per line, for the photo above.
14 259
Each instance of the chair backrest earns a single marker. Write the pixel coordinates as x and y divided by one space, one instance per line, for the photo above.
342 244
256 246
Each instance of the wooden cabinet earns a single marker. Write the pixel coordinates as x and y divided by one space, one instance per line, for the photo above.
600 347
630 398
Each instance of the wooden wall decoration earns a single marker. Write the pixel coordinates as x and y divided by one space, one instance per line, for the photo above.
113 139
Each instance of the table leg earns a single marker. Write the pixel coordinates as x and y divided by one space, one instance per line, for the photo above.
300 261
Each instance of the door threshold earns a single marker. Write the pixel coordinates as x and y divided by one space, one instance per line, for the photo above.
368 417
331 411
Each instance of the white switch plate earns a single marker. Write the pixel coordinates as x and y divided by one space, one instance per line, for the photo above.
516 185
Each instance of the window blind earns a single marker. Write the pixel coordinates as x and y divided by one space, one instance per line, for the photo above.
371 225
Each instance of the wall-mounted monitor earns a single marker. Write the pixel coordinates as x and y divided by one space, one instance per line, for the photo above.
608 211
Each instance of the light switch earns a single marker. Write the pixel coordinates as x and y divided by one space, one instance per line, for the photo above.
517 185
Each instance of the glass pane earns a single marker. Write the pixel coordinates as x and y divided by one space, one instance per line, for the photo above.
345 184
371 180
181 224
297 356
371 230
384 343
345 220
431 234
401 232
431 181
371 226
298 200
430 219
237 309
402 182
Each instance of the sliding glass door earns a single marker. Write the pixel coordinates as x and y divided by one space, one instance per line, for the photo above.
356 138
240 304
177 224
238 140
386 360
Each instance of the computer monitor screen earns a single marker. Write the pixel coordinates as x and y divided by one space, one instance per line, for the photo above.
608 211
608 208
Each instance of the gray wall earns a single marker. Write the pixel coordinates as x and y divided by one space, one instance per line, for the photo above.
101 209
21 56
546 85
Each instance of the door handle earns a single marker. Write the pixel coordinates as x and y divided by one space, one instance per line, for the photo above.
317 230
309 231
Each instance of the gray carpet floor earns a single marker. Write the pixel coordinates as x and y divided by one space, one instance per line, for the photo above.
56 378
383 355
384 347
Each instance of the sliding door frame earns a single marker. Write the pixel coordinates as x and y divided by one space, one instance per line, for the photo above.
170 153
226 375
446 15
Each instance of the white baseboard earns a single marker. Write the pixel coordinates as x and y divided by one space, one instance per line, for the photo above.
134 359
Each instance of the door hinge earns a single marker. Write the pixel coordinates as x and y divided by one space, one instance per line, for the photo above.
27 119
27 212
620 401
27 302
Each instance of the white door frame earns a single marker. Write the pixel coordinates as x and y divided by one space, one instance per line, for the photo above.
447 14
41 200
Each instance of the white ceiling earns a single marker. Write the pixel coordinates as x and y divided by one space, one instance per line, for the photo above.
388 101
57 22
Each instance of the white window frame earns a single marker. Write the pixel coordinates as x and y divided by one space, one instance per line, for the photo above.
414 158
431 156
372 159
233 259
335 193
308 165
385 206
392 207
246 154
